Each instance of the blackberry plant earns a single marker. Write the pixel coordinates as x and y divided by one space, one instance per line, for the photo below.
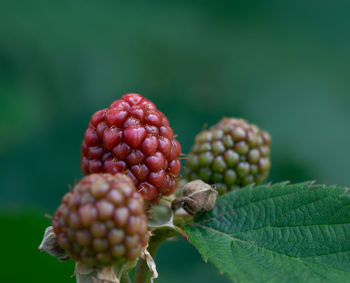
132 200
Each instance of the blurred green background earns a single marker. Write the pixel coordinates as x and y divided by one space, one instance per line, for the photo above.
283 65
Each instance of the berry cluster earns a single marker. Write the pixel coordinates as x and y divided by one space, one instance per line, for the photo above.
231 154
131 160
132 136
102 221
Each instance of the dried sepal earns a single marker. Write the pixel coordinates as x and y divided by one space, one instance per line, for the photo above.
145 255
197 196
50 245
107 274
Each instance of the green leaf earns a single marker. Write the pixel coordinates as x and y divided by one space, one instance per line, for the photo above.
279 233
162 216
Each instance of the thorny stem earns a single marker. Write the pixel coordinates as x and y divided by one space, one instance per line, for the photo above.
142 273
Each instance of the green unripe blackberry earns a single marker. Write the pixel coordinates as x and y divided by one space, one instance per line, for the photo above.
102 221
231 154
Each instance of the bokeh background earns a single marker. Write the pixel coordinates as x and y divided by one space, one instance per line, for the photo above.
283 65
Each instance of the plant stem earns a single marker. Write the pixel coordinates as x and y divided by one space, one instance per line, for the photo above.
142 273
125 278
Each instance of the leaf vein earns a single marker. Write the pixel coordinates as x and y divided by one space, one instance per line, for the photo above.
300 259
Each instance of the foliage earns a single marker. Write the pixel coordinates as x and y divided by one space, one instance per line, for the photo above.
278 233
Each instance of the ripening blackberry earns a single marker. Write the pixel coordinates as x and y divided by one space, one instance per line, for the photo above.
102 221
231 154
133 137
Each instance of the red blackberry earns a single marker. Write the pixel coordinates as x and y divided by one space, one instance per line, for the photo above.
132 136
102 221
231 154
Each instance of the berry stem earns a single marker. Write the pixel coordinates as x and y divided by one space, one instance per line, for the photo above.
125 278
142 274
